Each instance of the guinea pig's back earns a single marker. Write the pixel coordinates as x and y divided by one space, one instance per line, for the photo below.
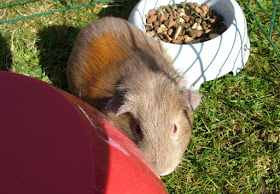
100 57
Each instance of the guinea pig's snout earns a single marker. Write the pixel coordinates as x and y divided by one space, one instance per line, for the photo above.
166 173
162 171
164 166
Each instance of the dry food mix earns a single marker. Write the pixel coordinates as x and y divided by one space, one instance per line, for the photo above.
184 23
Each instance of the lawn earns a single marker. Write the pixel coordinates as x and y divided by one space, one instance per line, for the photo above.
235 145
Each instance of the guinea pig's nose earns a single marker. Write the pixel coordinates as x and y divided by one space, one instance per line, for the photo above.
160 170
166 173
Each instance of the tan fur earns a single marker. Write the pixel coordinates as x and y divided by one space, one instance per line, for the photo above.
112 60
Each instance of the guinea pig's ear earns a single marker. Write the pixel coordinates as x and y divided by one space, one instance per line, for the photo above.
117 105
191 99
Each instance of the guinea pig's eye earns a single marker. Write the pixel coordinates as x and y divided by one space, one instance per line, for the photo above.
139 131
174 129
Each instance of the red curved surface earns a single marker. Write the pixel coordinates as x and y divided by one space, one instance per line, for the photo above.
52 142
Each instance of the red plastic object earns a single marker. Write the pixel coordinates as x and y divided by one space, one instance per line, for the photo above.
52 142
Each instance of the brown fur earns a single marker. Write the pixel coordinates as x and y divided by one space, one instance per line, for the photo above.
126 74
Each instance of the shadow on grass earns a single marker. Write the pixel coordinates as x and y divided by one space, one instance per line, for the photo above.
55 45
5 55
119 8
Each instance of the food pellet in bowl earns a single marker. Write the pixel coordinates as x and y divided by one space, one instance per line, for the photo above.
184 23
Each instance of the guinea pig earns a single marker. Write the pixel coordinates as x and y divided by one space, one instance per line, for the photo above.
127 75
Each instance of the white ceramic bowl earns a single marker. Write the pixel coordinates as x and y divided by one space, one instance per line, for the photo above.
211 59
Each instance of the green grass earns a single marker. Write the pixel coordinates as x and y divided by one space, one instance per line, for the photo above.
235 145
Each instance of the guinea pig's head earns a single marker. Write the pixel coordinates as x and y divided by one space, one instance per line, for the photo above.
162 120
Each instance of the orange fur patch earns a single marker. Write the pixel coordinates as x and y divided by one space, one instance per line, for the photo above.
103 57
